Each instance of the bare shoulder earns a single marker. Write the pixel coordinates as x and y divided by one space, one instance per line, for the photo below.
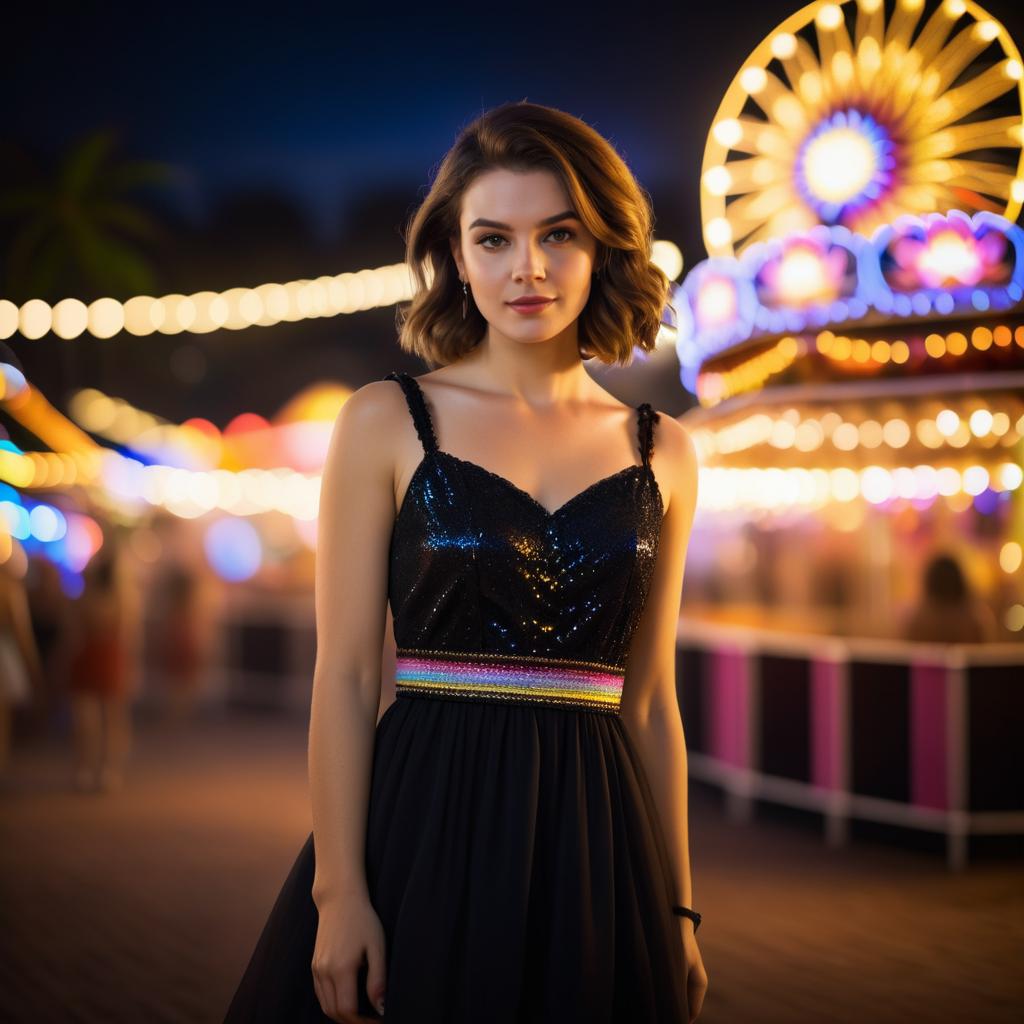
375 403
675 463
369 424
673 440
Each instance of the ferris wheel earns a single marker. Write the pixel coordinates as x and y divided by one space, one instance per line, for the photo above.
855 113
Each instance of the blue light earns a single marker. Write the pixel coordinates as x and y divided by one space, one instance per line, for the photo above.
233 549
47 523
921 303
987 502
17 519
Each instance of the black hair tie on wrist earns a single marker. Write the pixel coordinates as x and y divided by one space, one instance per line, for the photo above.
691 914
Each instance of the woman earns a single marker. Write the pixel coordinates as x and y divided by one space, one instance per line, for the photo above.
510 842
102 677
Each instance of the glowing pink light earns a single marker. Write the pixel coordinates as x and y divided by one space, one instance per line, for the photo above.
804 274
716 302
947 254
83 539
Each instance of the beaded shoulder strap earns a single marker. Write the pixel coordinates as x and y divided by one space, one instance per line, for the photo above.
417 407
646 417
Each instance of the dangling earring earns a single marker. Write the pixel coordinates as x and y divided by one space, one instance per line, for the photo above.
465 295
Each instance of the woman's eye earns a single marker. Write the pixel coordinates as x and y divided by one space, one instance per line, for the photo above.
557 231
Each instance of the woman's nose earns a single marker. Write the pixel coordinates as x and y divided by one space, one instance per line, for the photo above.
530 263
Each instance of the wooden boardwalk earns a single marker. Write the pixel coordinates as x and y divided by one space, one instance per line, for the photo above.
144 905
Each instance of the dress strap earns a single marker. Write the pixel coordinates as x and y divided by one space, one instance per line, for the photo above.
417 407
646 417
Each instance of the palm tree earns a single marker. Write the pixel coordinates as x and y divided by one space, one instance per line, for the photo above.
76 227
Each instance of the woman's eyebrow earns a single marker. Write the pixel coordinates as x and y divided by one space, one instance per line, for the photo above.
481 222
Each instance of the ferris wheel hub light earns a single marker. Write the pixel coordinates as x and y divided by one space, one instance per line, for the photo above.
839 165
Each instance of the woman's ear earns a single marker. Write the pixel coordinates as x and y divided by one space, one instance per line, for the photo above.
456 246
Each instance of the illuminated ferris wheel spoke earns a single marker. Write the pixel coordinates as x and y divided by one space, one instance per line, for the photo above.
753 209
904 20
810 89
1001 132
995 183
956 56
869 22
773 96
956 103
833 39
934 38
796 56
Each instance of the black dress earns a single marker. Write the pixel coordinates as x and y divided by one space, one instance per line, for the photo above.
514 852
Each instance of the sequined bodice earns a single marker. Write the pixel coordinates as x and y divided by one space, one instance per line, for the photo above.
478 565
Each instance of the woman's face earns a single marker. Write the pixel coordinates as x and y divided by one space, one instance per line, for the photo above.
519 235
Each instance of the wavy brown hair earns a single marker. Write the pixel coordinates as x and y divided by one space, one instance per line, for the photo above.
629 293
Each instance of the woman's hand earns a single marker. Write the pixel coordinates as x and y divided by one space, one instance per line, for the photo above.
348 930
696 976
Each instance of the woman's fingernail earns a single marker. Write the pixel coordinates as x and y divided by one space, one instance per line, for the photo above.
380 1006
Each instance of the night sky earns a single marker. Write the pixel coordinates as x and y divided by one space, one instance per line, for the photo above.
324 102
342 113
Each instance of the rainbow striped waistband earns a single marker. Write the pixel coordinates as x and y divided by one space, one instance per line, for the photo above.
513 678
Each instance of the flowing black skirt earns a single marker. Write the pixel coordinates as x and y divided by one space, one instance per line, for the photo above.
518 866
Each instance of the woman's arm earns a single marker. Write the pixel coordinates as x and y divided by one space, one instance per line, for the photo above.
357 510
650 707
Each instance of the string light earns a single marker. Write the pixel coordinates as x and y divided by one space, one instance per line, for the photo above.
998 423
729 489
844 352
237 308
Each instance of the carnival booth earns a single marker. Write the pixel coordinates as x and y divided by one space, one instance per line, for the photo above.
853 636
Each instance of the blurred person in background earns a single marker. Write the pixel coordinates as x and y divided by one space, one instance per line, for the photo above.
51 615
948 611
180 641
20 665
103 673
